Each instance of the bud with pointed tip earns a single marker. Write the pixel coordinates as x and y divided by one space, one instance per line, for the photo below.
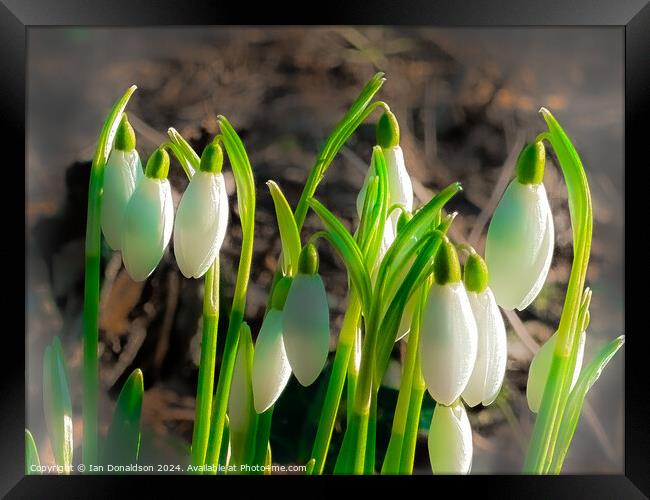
448 338
520 239
541 366
122 173
450 440
271 369
305 324
148 219
202 217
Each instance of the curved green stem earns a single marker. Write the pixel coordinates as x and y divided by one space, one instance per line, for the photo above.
559 379
92 280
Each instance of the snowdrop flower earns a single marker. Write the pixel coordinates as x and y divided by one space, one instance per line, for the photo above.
492 350
271 369
541 366
122 173
305 321
450 440
448 338
520 239
148 219
202 217
400 188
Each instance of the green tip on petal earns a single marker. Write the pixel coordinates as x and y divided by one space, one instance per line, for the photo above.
125 135
446 267
212 158
475 274
158 165
280 293
404 219
387 131
530 163
308 261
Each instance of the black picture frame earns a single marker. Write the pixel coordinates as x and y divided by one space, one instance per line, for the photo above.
632 16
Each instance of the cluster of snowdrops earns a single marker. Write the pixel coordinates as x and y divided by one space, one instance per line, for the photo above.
408 282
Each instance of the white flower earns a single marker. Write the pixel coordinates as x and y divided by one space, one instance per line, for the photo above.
448 341
305 327
201 223
148 223
271 370
450 440
519 245
122 173
492 352
541 366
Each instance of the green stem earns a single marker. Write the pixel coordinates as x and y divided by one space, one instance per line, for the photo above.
92 280
371 438
353 373
336 383
559 379
413 421
206 367
263 434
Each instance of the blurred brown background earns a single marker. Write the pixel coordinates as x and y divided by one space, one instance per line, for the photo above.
466 99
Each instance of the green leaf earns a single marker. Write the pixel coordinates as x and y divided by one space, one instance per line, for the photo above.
358 111
289 233
192 161
123 438
32 462
224 454
57 405
571 416
310 467
347 248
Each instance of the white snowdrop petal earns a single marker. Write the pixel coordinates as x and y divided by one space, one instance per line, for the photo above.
122 172
393 375
400 187
148 223
519 244
448 342
492 351
450 440
271 370
541 366
201 223
305 327
543 262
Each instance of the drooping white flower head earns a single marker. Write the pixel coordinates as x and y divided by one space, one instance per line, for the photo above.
202 217
122 173
450 440
271 369
400 187
520 239
492 349
305 324
148 219
448 337
541 366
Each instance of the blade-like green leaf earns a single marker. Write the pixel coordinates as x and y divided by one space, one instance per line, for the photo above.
571 416
224 454
123 438
289 233
347 249
192 159
57 405
32 462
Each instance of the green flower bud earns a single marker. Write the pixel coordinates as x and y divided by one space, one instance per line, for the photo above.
387 131
125 136
157 165
212 159
308 261
530 163
475 274
446 267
